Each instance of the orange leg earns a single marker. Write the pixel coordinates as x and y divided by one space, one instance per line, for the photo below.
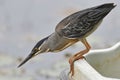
78 56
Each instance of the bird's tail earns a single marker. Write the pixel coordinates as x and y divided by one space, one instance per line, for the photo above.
106 5
103 10
34 51
95 14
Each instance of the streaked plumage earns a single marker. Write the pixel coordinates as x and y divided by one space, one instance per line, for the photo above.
70 30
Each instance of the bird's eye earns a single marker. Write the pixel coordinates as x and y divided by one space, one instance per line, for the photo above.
35 49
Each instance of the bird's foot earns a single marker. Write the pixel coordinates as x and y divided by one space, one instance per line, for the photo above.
71 62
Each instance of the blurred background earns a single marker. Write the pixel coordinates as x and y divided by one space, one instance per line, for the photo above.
24 22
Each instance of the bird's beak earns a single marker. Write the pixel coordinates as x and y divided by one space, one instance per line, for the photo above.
31 55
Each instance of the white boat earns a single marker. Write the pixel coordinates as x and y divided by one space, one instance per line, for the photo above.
101 64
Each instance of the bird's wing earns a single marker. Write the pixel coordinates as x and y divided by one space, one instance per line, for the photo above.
65 22
80 23
79 26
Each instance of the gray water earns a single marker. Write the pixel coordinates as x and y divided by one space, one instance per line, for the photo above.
24 22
